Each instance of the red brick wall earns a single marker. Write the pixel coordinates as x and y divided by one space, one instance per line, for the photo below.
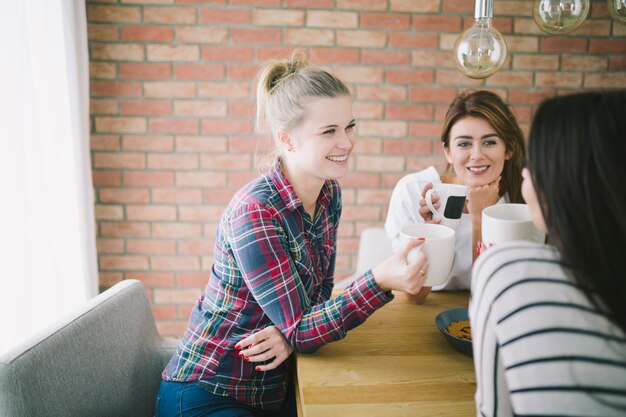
172 104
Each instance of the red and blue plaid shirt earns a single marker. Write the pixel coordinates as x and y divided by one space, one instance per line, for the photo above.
273 265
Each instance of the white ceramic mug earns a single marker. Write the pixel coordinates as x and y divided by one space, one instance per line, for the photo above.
451 200
506 222
438 246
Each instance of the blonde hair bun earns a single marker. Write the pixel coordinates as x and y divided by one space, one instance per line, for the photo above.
277 72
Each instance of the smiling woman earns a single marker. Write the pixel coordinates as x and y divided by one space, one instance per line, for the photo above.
476 152
269 289
485 148
320 147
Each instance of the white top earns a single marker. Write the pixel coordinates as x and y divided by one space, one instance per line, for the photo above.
540 348
403 210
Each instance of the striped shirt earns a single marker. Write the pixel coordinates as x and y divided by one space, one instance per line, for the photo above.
540 347
273 265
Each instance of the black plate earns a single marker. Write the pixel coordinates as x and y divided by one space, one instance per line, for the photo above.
444 319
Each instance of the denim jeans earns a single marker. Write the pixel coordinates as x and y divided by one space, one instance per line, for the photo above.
191 399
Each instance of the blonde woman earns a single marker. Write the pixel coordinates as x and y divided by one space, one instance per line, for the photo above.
269 289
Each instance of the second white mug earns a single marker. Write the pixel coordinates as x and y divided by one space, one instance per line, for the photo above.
438 246
506 222
451 200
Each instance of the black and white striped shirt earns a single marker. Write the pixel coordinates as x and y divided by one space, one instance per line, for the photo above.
540 347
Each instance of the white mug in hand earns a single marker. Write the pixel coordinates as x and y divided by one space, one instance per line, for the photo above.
438 246
451 203
506 222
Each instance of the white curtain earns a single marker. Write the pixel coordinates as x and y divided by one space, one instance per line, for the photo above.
47 229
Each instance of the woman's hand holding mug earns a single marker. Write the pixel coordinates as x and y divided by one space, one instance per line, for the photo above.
446 203
403 273
424 211
441 203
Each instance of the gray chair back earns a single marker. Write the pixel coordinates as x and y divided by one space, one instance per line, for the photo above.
103 360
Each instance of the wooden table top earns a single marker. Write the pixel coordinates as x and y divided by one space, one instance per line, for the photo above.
395 364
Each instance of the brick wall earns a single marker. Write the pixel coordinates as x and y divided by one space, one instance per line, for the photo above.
172 104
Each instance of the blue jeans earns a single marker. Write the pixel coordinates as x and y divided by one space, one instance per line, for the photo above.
191 399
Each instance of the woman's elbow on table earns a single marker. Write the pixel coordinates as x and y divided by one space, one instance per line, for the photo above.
312 343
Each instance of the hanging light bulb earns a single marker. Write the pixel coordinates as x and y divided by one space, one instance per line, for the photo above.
617 8
557 17
480 51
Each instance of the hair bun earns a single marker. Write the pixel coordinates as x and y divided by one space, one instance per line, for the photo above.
299 61
279 71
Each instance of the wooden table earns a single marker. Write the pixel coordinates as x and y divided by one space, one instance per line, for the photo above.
396 364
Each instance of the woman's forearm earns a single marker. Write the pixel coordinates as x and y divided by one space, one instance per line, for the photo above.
477 237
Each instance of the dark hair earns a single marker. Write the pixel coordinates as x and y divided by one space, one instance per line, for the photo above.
576 158
490 107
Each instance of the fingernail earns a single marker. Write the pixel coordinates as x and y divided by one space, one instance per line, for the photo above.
421 239
246 358
240 354
258 368
237 346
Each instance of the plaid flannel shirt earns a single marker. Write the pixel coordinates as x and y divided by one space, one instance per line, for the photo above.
274 265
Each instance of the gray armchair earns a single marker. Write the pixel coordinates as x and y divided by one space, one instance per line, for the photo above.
103 360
